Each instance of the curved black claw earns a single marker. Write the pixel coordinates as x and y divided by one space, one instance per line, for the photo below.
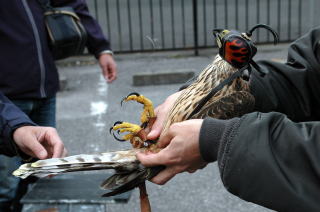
147 143
144 125
118 139
274 33
133 93
151 141
116 123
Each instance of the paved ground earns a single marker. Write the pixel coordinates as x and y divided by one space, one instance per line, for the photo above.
88 107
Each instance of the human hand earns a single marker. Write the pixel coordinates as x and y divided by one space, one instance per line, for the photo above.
181 151
108 67
39 142
161 113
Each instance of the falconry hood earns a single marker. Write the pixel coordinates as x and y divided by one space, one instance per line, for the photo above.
237 48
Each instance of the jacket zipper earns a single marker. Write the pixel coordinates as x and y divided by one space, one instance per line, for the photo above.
39 48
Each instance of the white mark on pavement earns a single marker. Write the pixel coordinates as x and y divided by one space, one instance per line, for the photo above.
102 86
98 108
100 125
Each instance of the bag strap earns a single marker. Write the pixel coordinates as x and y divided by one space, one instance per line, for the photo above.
45 4
225 82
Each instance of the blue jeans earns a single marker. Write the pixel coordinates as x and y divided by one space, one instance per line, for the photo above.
43 113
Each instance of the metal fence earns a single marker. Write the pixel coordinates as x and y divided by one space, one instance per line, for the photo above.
150 25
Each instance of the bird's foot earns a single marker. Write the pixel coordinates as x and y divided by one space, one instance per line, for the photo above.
136 135
148 109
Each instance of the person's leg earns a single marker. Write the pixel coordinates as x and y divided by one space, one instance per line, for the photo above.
9 183
43 113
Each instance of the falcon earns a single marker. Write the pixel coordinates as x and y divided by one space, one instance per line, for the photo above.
220 91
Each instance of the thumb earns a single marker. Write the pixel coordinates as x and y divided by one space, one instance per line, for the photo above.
155 130
157 125
150 159
154 159
165 139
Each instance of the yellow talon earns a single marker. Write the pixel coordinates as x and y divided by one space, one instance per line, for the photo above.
130 129
133 130
136 134
148 109
127 127
127 137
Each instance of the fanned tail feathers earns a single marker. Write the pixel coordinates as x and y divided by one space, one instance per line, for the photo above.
129 172
122 160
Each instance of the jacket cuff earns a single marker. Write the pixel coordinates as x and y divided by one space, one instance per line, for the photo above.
11 149
97 53
213 133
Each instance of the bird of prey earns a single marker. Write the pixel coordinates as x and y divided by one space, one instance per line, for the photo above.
220 91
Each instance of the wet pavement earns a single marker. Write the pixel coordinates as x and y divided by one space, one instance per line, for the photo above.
88 106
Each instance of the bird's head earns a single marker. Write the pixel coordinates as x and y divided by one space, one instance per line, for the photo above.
237 48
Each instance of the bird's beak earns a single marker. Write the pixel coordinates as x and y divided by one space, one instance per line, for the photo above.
216 33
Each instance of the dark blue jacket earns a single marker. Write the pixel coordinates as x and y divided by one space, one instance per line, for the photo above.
11 117
27 69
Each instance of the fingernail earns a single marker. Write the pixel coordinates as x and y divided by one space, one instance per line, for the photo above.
151 133
42 154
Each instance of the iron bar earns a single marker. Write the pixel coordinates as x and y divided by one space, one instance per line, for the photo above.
96 9
108 21
268 19
247 14
183 24
151 19
279 17
129 24
215 13
195 26
204 15
289 20
299 17
172 25
237 14
258 19
119 25
141 25
161 24
226 14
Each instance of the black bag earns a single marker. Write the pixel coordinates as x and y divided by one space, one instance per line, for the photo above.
66 34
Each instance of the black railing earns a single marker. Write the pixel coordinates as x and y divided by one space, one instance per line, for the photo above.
151 25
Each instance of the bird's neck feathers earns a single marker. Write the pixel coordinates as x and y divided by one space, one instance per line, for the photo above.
216 72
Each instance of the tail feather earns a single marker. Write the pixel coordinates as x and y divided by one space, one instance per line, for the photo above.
108 157
123 182
121 160
128 183
129 172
